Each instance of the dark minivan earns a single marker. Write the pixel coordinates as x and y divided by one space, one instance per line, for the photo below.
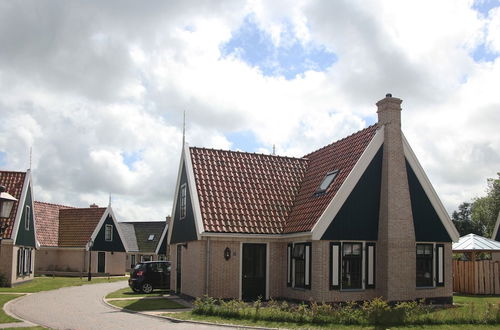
150 275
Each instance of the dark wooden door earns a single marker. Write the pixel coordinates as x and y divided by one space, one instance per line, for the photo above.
253 282
101 262
178 269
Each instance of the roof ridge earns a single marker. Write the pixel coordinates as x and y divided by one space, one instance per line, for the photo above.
340 140
4 171
86 208
250 153
47 203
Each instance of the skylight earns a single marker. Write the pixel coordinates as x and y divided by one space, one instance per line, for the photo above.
327 181
151 237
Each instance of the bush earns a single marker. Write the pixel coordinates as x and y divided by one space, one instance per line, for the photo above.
3 280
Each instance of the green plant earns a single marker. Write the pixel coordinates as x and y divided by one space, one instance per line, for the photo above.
3 280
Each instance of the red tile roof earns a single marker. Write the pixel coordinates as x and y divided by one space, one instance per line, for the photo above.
47 222
13 182
341 155
244 192
261 194
76 225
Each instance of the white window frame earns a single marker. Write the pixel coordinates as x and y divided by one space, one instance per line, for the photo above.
336 265
183 201
108 235
27 218
307 265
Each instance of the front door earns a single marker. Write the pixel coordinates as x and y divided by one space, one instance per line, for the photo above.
178 269
253 281
101 262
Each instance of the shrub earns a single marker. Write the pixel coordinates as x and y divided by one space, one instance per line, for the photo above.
3 280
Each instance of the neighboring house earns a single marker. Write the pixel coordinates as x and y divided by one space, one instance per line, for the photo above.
471 245
143 239
354 220
18 241
66 235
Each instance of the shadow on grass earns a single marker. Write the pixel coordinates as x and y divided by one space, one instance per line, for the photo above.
141 305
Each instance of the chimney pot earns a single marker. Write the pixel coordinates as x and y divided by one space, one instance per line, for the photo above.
388 95
94 205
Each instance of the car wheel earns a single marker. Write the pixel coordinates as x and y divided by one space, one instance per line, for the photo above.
146 288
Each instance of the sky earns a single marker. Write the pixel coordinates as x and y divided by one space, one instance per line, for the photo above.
97 89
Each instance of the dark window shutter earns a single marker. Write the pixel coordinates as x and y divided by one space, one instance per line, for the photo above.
289 264
335 266
19 261
439 264
370 265
308 265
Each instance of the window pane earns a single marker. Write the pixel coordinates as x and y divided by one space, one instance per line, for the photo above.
424 265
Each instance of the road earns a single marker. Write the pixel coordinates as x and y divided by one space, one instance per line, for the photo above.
82 307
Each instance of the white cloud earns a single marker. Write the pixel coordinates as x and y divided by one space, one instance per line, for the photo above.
88 83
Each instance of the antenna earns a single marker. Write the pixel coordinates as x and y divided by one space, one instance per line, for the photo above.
274 150
184 129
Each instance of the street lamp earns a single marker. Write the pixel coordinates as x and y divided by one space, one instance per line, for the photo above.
91 243
6 203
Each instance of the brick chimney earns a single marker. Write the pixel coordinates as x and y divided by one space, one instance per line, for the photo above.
396 249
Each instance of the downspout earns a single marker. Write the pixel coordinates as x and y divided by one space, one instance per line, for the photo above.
207 266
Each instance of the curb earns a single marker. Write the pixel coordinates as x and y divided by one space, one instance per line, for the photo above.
23 322
175 320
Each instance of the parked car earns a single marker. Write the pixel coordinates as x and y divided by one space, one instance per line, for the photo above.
149 275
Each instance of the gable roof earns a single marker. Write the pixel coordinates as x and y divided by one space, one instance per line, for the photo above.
245 192
473 242
128 237
264 194
14 184
47 222
76 225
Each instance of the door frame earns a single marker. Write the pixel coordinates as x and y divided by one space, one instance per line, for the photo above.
241 268
101 253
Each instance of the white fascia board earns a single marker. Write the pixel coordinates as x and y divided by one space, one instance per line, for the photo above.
118 228
429 191
497 224
107 212
21 205
350 182
176 195
193 192
165 230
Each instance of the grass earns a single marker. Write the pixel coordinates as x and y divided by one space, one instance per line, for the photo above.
289 325
128 293
146 304
468 313
39 284
4 298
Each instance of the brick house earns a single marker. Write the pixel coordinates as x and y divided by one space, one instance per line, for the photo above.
354 220
64 234
18 241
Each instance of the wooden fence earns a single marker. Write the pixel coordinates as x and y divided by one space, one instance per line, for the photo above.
476 277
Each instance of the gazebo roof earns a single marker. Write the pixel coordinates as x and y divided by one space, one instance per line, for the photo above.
473 242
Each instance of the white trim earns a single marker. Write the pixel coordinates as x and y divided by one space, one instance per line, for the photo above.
193 192
440 266
370 251
363 265
176 194
20 205
429 191
162 237
350 182
497 224
336 266
307 269
108 211
182 192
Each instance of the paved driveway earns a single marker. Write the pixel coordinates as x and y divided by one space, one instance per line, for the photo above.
82 307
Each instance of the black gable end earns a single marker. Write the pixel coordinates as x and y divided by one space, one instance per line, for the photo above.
183 230
357 219
26 231
497 238
428 225
100 243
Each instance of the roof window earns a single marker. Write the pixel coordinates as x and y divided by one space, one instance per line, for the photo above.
327 181
151 237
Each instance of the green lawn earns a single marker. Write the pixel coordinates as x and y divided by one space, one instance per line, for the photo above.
50 283
128 293
4 298
146 304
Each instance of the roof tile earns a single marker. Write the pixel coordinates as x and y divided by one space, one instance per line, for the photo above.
47 222
13 182
76 225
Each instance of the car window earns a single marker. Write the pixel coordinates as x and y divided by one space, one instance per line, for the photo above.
139 266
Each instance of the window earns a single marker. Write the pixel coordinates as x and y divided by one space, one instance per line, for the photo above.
352 265
299 265
24 265
162 257
151 237
327 181
108 233
146 258
132 261
424 265
183 201
27 218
